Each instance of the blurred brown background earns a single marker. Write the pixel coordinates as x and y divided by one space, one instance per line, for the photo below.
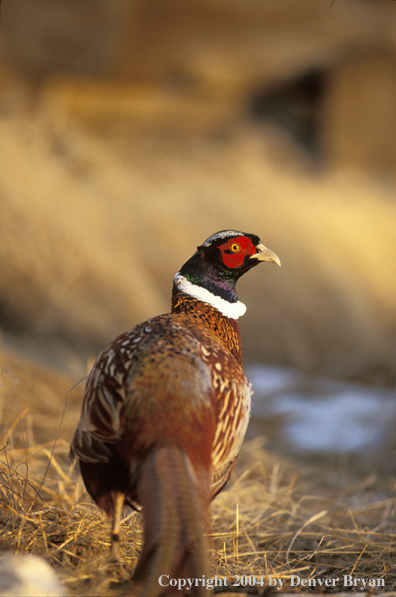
131 130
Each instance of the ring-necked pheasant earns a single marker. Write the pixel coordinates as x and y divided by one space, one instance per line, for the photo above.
165 411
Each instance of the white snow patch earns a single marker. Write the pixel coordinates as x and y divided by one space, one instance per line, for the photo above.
322 415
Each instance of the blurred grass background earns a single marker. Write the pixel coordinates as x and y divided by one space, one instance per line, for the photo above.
132 130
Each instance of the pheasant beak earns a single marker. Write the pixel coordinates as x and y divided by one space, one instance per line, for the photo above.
264 254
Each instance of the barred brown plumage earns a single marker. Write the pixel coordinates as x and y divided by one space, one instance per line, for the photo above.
165 411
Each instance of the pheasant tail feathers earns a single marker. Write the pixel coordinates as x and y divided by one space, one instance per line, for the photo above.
175 505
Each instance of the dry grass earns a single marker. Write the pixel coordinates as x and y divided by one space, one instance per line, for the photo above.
276 520
277 517
272 520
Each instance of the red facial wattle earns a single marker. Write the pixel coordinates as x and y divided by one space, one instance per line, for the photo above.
233 256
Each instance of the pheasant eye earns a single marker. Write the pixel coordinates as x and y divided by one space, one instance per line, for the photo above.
235 247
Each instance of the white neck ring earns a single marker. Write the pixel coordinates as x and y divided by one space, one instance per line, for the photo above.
231 310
